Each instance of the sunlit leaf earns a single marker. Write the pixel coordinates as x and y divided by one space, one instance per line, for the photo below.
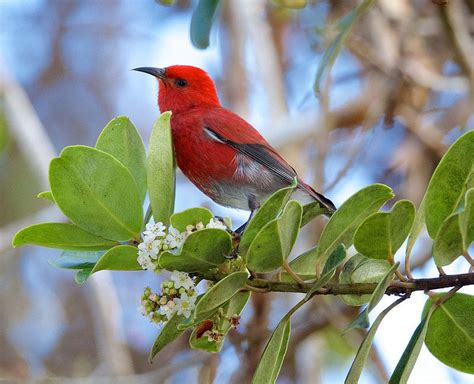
120 258
450 332
202 250
272 358
345 221
269 211
382 233
96 192
453 176
274 242
161 169
221 292
121 139
61 235
191 216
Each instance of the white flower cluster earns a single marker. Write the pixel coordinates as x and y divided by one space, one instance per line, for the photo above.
157 238
178 296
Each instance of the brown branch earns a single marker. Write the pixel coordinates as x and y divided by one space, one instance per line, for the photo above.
395 287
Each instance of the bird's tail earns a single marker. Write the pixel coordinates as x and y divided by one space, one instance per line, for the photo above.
321 199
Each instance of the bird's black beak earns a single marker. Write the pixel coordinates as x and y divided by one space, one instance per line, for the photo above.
157 72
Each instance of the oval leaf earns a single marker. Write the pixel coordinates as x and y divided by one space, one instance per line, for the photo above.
274 242
272 358
96 192
269 211
120 258
450 332
61 235
169 333
160 169
191 216
221 292
453 176
361 269
202 250
382 233
121 139
75 260
345 221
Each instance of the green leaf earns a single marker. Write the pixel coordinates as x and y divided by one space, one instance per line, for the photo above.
455 234
272 358
334 260
121 139
466 220
450 332
201 22
76 260
448 245
202 250
274 242
353 376
343 27
382 233
362 321
416 229
169 333
345 221
453 176
232 308
304 266
311 211
191 216
221 292
96 192
160 169
410 354
269 211
61 235
82 275
120 258
361 269
47 195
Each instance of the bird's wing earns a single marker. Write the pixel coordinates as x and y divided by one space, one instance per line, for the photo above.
228 128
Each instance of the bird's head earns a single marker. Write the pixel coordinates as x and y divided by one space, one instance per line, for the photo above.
183 87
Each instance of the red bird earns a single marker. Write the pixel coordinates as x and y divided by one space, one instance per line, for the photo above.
222 154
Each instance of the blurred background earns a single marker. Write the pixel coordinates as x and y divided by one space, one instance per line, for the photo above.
400 92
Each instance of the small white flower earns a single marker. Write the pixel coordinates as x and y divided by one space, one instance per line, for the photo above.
145 261
174 238
215 223
182 280
185 305
150 248
155 230
167 310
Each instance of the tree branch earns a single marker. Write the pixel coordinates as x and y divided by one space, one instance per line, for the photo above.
395 287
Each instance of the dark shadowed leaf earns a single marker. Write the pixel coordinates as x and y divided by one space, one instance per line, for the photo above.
75 260
61 235
160 169
274 242
202 250
96 192
121 139
453 176
311 211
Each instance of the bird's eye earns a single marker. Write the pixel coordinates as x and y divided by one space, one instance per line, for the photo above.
180 83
